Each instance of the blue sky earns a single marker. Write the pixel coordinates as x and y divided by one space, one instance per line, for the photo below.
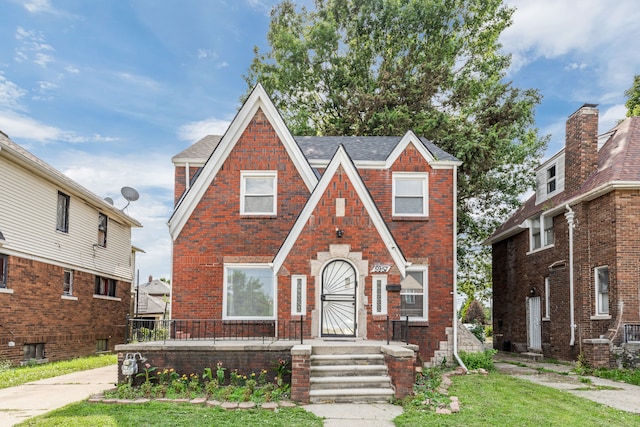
108 91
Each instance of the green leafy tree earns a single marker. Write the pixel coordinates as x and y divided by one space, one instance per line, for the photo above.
633 97
382 67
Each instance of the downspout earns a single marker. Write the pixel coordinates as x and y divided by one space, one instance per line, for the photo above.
570 215
455 269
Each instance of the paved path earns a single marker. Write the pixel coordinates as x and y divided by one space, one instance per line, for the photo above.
38 397
617 394
356 414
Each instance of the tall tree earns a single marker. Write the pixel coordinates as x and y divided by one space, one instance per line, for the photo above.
382 67
633 97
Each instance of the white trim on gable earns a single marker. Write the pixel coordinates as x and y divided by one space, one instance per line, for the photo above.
341 158
258 99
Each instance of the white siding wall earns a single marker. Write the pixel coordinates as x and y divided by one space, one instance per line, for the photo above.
28 221
541 178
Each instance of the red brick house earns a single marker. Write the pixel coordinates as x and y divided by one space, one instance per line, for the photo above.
565 265
66 263
349 234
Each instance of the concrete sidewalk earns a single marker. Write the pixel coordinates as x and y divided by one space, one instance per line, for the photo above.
355 414
29 400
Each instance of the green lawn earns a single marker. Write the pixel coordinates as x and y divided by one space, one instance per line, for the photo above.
24 374
501 400
158 414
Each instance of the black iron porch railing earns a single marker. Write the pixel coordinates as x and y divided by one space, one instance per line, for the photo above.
145 330
632 333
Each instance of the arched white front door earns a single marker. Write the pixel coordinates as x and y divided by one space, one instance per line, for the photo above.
338 299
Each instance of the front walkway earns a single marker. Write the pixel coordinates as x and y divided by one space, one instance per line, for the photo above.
625 397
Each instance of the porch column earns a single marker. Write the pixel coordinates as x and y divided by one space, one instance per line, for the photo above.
300 373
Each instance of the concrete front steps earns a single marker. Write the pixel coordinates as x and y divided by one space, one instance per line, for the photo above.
353 374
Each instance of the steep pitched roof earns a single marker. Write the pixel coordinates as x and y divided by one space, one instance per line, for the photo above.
319 149
258 99
41 168
618 167
341 158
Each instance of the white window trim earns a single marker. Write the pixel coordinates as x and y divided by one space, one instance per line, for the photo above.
600 314
547 301
425 293
547 180
294 294
399 176
224 292
543 240
259 174
374 294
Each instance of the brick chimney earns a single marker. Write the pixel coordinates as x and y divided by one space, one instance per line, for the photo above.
581 150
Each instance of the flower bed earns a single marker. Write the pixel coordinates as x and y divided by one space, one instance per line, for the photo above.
211 384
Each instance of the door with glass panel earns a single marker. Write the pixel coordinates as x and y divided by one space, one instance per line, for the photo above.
338 300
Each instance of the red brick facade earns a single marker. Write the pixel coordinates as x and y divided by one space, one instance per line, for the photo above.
215 233
68 327
605 235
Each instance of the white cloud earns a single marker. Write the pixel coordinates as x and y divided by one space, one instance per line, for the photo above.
24 127
610 117
10 94
33 47
36 6
72 69
575 66
194 131
223 64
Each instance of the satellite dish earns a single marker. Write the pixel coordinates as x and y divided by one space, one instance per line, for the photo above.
109 200
130 195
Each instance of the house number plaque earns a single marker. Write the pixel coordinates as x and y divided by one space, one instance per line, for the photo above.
381 268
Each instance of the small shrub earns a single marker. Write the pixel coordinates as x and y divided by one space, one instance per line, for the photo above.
5 365
582 365
474 313
479 360
478 332
488 331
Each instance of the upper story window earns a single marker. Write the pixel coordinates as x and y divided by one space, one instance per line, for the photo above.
258 192
602 290
551 179
541 232
413 294
105 287
249 292
547 299
62 216
410 194
3 271
103 221
67 285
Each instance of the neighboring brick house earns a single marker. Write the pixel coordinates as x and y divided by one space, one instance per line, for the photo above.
66 263
346 232
565 265
152 300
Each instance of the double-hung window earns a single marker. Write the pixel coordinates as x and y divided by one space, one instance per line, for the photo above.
413 294
541 232
103 221
551 179
410 196
258 192
249 292
379 294
62 213
602 290
547 299
67 285
3 271
105 287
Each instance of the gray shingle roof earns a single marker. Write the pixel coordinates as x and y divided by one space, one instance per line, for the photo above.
360 148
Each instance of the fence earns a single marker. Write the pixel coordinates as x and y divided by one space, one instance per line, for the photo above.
632 333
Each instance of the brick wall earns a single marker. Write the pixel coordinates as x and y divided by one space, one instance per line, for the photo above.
581 152
401 364
36 313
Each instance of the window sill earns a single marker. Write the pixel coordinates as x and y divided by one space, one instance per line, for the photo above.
546 319
379 317
416 321
409 218
69 297
258 216
106 298
540 249
6 291
601 317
